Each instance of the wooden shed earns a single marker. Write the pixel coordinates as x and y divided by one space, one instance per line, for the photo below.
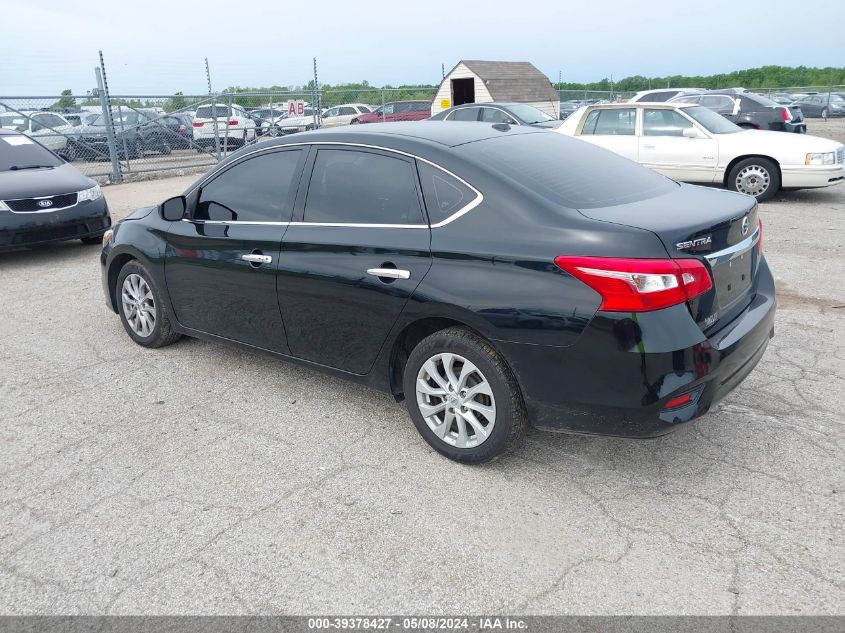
482 82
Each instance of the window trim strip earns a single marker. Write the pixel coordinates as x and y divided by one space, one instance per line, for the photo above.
479 197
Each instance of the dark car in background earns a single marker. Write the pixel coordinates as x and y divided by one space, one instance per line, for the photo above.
749 110
396 111
490 275
822 105
136 133
43 198
177 129
498 112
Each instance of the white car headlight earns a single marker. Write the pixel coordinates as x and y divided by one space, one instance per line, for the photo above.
3 206
828 158
94 193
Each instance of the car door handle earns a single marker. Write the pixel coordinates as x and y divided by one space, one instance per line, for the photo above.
392 273
649 146
253 258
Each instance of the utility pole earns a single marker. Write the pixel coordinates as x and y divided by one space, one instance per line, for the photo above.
559 79
442 71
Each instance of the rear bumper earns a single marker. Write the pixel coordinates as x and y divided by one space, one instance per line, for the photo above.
812 176
87 219
617 377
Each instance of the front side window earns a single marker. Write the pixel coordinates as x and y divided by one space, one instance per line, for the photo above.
358 187
444 195
611 122
259 189
664 123
331 112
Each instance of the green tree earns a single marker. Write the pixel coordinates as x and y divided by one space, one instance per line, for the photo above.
66 101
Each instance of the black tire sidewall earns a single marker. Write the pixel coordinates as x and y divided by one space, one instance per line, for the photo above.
500 383
138 269
768 165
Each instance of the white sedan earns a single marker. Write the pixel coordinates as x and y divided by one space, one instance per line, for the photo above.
693 144
343 114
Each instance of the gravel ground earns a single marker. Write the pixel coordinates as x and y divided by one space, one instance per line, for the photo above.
203 478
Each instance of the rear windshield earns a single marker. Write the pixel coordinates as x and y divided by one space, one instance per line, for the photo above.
21 152
567 171
211 112
14 122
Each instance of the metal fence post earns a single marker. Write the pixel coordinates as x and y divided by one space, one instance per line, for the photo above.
382 105
104 104
226 127
214 115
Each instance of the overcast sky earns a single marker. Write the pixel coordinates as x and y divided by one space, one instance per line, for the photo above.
159 47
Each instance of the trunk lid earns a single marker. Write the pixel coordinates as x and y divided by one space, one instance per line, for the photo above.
717 227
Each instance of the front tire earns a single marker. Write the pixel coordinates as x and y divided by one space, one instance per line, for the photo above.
758 177
462 396
824 113
141 310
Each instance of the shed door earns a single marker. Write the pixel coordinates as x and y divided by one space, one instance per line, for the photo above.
463 91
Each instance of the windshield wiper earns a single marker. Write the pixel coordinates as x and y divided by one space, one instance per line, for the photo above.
19 167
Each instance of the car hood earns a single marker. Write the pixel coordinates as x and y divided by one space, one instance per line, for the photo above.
36 183
780 145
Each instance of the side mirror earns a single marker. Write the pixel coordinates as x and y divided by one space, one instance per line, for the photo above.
173 209
691 132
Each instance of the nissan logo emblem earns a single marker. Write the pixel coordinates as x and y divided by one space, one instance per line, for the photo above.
745 225
49 203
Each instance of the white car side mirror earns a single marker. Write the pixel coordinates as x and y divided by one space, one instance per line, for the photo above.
691 132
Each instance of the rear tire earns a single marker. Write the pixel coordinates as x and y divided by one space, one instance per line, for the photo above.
140 306
475 407
758 177
96 239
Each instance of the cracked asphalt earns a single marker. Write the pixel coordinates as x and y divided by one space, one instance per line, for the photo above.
202 478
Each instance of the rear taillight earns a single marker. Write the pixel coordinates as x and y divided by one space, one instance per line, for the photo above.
759 237
639 285
786 114
198 123
233 122
181 129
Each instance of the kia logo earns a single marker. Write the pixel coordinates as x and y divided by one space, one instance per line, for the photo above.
45 203
745 225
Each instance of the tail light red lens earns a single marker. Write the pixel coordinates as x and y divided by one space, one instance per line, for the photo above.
759 237
233 122
786 114
197 123
639 285
181 129
680 401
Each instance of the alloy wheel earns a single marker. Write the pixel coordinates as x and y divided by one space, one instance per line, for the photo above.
139 306
455 400
753 180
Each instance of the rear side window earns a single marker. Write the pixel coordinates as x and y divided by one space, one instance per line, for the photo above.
358 187
611 122
258 189
444 195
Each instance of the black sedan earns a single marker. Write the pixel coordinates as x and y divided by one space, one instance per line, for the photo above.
509 113
822 106
490 275
43 198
